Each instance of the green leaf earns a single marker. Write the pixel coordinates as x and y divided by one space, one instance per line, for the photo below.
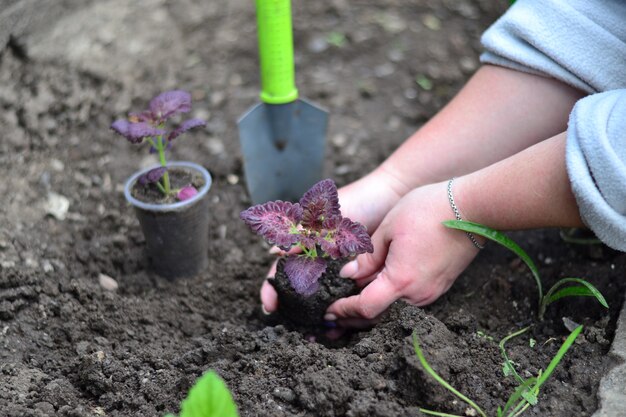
532 342
337 39
441 381
559 355
518 393
503 240
529 396
508 369
424 82
209 397
584 290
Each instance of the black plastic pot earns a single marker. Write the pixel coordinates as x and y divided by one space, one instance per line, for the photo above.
177 234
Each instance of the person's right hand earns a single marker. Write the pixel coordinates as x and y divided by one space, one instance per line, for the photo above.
366 201
415 259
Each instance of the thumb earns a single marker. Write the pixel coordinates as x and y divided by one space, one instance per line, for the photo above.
368 264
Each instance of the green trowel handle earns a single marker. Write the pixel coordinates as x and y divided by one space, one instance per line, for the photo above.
276 51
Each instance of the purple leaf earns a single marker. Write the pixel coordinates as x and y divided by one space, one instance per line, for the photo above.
320 206
152 176
276 221
304 273
349 239
185 126
186 193
135 132
170 103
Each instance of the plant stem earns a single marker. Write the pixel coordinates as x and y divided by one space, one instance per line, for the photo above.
166 177
506 357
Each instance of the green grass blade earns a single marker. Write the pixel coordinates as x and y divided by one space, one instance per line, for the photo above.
559 355
437 413
517 394
503 240
586 289
440 380
507 361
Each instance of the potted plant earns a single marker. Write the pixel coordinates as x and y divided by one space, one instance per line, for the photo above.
170 199
307 278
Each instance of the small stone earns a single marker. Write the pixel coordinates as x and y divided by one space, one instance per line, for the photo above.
47 266
340 140
82 179
343 169
569 324
107 282
317 44
468 64
215 146
470 412
100 355
384 70
57 165
284 393
431 22
202 114
232 179
218 98
57 206
221 231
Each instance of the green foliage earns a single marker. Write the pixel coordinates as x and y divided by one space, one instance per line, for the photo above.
209 397
584 289
337 39
525 395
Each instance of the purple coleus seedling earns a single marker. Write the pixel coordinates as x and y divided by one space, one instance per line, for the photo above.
314 225
149 126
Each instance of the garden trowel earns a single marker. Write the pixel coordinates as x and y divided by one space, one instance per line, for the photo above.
283 137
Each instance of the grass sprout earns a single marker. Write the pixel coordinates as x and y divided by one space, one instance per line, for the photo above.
572 287
525 395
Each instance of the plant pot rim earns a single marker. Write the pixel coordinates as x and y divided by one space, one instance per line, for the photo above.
180 205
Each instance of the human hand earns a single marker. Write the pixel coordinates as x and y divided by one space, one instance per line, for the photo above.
365 201
415 259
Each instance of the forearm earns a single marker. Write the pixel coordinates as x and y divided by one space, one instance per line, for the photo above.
528 190
497 114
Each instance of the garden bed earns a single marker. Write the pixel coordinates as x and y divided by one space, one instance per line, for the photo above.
70 345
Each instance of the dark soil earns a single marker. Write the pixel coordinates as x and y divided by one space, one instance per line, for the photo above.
307 313
71 346
179 178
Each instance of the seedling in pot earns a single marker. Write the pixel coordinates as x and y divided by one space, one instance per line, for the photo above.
524 396
566 287
170 199
316 228
208 397
149 127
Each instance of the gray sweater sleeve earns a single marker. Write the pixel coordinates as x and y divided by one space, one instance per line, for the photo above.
596 164
581 43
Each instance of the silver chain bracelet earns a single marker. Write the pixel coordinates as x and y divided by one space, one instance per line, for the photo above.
458 215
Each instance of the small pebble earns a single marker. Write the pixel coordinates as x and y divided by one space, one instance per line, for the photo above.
57 206
232 179
107 282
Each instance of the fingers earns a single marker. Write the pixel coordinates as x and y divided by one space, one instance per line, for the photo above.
269 298
369 304
368 264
